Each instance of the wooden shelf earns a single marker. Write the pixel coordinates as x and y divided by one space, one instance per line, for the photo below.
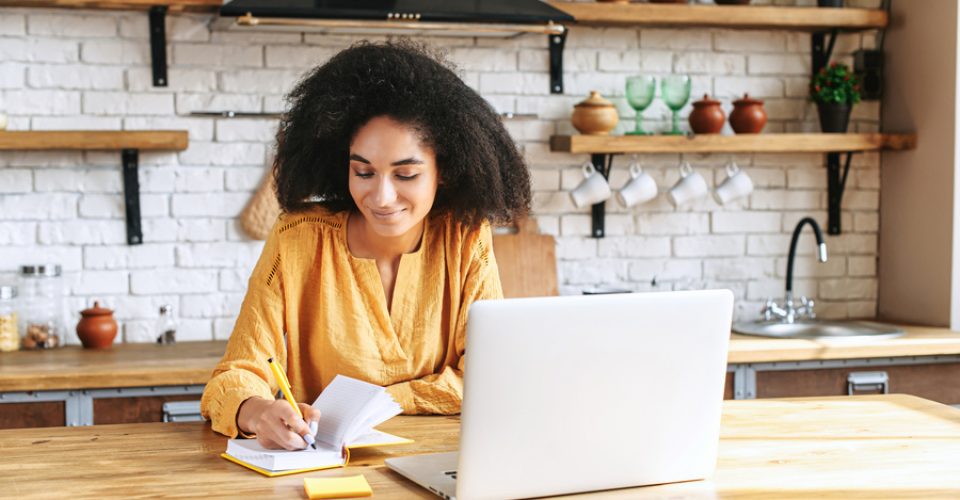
748 143
175 140
171 5
724 16
129 143
587 13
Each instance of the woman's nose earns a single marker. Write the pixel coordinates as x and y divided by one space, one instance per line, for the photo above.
385 193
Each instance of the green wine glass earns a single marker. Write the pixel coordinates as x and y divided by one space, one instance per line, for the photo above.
640 92
675 90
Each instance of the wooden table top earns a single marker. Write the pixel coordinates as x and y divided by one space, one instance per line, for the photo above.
843 447
187 363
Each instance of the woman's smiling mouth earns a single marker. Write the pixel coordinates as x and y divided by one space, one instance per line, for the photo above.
386 214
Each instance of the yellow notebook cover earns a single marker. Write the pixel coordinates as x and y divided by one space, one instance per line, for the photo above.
270 473
336 487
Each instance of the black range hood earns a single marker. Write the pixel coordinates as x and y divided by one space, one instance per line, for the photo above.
472 18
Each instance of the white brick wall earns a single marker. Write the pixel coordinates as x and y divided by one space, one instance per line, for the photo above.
75 69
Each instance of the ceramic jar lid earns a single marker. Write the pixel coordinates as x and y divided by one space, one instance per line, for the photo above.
746 100
706 101
96 310
594 101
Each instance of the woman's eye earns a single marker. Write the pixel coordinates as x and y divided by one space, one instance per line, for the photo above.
364 175
407 177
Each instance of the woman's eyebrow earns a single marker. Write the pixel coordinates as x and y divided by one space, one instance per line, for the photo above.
406 161
356 157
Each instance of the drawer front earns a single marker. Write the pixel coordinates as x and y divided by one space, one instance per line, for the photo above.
938 382
39 414
134 410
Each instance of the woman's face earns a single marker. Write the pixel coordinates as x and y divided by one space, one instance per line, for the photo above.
393 178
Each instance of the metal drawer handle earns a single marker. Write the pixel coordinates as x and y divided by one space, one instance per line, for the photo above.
867 381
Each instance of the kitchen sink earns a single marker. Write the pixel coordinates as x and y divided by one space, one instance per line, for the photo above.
816 329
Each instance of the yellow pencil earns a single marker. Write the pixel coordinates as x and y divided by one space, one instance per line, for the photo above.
284 385
285 389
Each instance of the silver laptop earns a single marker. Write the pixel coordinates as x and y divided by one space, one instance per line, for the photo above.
584 393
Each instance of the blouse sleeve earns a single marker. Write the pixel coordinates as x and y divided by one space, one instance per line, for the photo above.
257 335
441 393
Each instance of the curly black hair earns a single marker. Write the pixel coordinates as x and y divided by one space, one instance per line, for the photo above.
483 176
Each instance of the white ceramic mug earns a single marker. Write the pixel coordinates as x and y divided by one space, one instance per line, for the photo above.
641 187
736 185
593 189
690 186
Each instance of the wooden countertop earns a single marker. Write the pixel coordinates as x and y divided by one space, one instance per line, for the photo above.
849 447
918 341
188 363
124 365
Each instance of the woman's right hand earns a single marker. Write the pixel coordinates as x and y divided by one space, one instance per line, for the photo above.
275 423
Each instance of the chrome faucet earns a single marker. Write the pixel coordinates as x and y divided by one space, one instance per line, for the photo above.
789 313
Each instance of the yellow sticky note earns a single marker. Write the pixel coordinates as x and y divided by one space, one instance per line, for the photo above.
337 487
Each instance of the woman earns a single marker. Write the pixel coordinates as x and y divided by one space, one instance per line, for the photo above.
389 172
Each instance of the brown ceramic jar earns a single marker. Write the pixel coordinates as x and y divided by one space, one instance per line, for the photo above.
594 115
97 328
748 116
707 117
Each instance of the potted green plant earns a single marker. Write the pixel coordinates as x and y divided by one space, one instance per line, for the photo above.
835 89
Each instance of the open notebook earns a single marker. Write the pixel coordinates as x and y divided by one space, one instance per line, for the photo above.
349 410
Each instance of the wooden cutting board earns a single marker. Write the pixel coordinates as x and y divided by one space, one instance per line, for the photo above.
527 261
262 210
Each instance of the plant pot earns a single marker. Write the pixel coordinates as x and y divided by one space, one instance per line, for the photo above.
834 117
829 3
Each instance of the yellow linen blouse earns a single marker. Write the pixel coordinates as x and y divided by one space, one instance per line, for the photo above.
321 311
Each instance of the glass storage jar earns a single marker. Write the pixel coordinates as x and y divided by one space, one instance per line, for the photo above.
9 336
41 306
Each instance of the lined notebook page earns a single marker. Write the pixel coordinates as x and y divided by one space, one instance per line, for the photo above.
344 406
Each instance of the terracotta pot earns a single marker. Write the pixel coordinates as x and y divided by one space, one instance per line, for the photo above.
748 116
707 117
594 115
97 328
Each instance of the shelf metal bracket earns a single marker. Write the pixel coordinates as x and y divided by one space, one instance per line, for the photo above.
602 163
158 44
821 48
131 195
836 181
556 43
